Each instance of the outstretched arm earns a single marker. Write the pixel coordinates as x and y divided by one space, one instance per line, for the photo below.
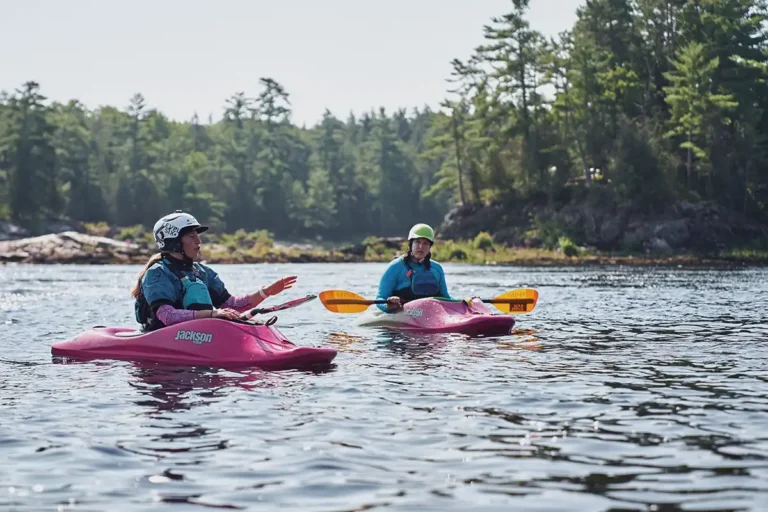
243 303
240 304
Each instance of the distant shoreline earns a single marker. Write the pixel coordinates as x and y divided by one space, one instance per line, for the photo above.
72 248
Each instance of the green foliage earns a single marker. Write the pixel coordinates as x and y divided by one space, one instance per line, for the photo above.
483 241
241 239
96 228
452 250
253 170
696 109
567 246
28 155
548 231
136 234
464 251
647 100
645 172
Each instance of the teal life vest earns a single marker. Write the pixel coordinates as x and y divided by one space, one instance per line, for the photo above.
423 284
194 296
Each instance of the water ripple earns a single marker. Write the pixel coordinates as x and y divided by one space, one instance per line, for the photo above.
626 389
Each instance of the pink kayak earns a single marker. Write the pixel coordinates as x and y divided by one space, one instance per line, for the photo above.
434 315
207 342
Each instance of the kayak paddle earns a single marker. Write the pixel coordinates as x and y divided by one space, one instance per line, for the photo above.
279 307
521 300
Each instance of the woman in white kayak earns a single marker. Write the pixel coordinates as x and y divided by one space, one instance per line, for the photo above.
173 288
413 275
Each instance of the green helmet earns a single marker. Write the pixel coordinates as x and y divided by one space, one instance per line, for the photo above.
422 231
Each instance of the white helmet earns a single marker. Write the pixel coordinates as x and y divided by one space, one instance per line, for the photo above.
169 229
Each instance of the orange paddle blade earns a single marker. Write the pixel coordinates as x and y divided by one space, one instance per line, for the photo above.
520 301
342 301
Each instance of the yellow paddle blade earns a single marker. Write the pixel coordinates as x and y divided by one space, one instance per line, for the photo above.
342 301
522 301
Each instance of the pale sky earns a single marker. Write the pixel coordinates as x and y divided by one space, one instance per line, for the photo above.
190 55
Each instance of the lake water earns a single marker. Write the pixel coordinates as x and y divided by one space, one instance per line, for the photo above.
625 389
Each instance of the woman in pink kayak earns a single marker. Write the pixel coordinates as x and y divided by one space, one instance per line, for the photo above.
174 288
413 275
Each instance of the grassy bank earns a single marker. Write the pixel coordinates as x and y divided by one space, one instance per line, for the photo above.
260 247
482 251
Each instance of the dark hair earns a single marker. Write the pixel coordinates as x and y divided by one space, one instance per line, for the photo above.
136 292
426 262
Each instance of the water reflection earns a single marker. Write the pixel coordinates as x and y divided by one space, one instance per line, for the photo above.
431 345
347 343
420 347
184 404
166 388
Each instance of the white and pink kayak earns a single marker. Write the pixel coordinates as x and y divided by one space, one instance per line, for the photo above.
435 315
207 342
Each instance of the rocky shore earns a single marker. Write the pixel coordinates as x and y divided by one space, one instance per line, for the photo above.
680 228
71 247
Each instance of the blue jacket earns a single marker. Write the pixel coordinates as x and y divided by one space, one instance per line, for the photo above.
161 283
396 278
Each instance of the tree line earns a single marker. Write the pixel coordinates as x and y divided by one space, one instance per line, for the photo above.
651 100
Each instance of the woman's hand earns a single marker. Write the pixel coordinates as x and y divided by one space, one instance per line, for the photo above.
394 302
227 314
279 285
